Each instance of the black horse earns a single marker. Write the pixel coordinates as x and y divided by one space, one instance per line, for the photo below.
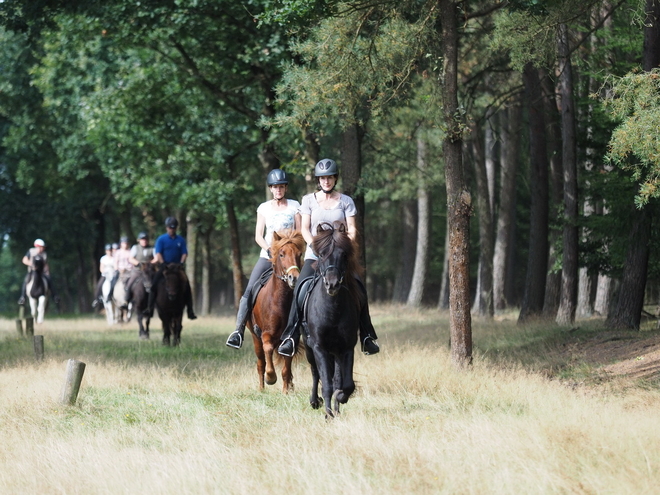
171 300
139 289
332 317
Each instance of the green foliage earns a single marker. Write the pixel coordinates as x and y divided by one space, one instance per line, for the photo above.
635 145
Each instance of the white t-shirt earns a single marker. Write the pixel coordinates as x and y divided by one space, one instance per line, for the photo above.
107 266
345 208
277 219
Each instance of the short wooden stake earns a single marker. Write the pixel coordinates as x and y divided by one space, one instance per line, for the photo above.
74 374
19 327
29 326
39 347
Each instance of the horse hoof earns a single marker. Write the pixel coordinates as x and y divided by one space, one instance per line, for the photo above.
166 342
316 403
271 379
334 402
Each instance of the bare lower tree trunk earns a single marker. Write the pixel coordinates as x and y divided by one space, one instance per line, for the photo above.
537 260
459 202
237 267
507 193
483 301
553 279
569 280
409 241
191 262
351 171
206 273
603 295
423 227
443 300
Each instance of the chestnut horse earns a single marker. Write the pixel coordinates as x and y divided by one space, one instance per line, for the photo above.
332 316
271 307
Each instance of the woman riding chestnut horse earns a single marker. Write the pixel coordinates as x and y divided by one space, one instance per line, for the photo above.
277 214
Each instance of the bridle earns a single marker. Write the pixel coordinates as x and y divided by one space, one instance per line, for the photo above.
284 276
335 267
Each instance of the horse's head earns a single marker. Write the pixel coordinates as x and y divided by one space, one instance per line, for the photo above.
147 271
38 263
336 252
286 253
172 273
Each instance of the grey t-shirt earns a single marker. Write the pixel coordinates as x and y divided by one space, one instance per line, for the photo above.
344 208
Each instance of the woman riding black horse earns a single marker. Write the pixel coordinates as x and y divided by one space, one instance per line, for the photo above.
326 206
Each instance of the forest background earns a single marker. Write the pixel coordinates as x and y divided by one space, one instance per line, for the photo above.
116 114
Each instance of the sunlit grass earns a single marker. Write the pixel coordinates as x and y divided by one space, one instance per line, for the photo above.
151 419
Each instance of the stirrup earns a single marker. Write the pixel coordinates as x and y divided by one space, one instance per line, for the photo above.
373 347
281 350
21 301
231 342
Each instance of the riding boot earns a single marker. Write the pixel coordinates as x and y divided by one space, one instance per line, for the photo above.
291 333
56 298
367 332
149 310
235 339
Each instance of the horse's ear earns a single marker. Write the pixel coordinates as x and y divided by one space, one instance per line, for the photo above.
276 236
342 228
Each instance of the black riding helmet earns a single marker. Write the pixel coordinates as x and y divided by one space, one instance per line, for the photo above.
142 235
171 222
277 176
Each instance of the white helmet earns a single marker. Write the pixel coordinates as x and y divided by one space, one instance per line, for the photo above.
39 243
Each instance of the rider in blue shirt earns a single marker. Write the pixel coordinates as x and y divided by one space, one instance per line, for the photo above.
170 248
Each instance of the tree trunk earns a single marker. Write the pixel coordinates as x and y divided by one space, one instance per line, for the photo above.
603 295
192 224
312 150
409 240
569 274
510 125
237 267
443 300
483 301
553 137
206 272
459 202
630 301
351 171
423 227
537 260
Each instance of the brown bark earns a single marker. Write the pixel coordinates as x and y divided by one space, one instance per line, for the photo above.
409 240
569 274
351 171
553 136
237 267
423 227
483 301
205 309
191 261
459 202
510 125
537 261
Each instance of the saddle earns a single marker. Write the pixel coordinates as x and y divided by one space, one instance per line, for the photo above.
254 291
301 296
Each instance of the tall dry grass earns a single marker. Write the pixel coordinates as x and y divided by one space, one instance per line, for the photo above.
190 420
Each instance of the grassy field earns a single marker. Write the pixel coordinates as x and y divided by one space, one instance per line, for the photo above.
528 417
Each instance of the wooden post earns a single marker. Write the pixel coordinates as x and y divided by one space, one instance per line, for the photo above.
39 347
19 327
29 326
74 373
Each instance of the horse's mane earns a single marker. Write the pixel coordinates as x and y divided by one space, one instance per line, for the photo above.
330 236
287 236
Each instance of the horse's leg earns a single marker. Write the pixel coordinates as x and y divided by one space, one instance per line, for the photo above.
271 375
314 399
345 370
167 324
261 359
41 309
177 326
287 375
326 368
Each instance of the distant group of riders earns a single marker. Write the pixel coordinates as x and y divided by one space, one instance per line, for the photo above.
326 205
